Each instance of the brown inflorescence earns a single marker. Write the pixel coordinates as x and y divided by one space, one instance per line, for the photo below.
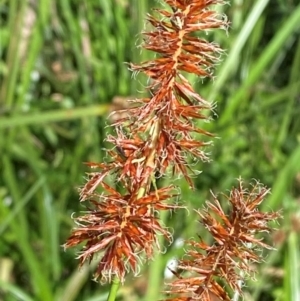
121 225
156 135
234 250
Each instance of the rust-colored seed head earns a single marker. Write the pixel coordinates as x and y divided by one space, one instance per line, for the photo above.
155 135
235 248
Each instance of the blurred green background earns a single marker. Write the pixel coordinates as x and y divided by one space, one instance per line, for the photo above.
63 69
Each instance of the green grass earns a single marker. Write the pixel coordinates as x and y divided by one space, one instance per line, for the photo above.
57 81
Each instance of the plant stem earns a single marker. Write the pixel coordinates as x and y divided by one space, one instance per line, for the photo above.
114 289
155 277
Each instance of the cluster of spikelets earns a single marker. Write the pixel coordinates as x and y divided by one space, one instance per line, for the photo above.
233 252
158 135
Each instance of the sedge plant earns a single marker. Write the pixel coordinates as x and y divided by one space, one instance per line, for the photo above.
158 136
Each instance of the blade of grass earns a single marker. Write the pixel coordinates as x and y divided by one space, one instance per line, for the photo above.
50 236
34 47
8 87
283 181
75 39
230 63
15 291
48 229
289 27
40 283
53 116
288 114
270 100
27 197
294 266
76 281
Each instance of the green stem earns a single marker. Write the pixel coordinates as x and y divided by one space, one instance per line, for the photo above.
114 289
155 276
